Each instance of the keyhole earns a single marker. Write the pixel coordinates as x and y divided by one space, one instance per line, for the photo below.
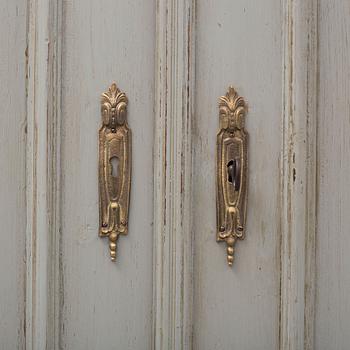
114 165
231 170
234 173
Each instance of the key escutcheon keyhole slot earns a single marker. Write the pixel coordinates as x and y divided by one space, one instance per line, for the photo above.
234 173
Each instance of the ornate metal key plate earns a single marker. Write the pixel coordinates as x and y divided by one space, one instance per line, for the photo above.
231 171
114 167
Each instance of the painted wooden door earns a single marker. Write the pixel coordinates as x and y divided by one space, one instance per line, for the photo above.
171 287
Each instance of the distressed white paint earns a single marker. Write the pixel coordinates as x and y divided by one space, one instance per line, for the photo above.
298 174
42 173
333 219
106 305
172 192
239 44
74 297
273 275
12 173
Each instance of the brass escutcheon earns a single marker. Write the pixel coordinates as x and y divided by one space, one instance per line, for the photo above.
114 167
231 171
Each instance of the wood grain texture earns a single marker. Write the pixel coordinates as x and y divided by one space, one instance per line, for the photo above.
298 174
12 175
172 319
238 43
42 174
106 305
333 219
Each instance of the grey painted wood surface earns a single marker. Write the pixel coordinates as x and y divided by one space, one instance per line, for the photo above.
298 174
238 43
106 305
263 51
12 174
333 219
42 174
174 90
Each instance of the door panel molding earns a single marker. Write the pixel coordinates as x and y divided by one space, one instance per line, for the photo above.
298 175
172 178
13 32
172 316
43 174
